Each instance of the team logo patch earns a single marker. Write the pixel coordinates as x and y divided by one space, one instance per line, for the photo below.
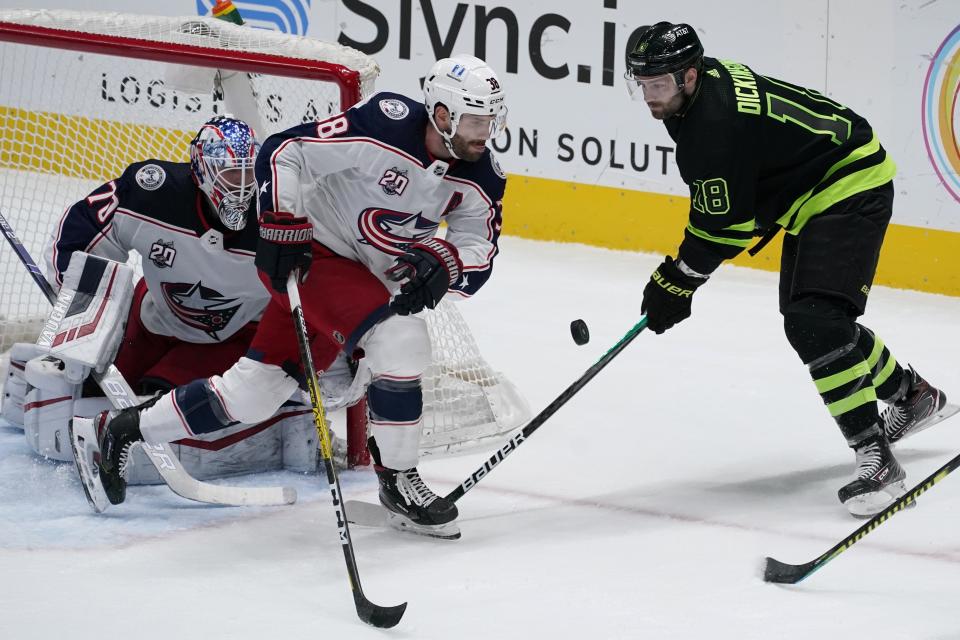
457 72
392 232
394 109
496 167
162 253
200 307
394 181
150 177
339 337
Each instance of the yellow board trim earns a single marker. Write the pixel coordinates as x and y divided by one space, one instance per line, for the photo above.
543 209
536 208
78 147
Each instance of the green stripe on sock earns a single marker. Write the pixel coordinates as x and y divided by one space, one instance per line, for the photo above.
888 368
830 383
874 356
851 402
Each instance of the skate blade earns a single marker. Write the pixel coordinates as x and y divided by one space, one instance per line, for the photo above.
945 412
365 514
86 453
448 531
868 505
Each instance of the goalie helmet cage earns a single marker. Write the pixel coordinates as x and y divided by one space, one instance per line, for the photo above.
84 94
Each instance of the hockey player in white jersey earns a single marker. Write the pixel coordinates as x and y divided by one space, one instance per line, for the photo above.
194 312
194 224
354 203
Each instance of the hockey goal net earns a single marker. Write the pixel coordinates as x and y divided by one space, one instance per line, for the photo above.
84 94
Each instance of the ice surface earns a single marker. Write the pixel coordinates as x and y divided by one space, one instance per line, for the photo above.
642 509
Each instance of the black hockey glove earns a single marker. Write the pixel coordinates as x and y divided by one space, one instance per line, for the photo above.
429 268
284 245
668 296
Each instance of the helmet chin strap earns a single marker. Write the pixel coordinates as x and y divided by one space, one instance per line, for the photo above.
446 137
689 98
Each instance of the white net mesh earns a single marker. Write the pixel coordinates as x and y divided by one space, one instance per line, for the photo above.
466 403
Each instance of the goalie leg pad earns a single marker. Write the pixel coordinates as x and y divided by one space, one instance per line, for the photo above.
84 328
301 446
15 384
287 440
48 408
51 402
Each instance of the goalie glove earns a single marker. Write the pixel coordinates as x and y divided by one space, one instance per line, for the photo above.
668 296
284 245
429 268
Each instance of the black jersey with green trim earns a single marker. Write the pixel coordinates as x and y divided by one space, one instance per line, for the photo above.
758 152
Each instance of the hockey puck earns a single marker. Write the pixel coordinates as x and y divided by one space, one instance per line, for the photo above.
580 332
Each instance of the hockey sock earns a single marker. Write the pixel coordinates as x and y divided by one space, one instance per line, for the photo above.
888 375
395 408
827 342
188 410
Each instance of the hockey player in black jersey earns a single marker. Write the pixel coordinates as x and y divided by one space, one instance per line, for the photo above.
760 155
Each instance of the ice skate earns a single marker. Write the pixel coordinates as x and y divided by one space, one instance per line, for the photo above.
86 455
921 407
878 480
117 432
412 506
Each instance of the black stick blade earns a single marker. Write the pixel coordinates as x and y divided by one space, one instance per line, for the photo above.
380 617
783 573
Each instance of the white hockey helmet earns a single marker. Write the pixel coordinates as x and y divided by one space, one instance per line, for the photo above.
466 85
222 157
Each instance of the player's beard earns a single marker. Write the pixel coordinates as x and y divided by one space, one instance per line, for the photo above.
469 150
664 110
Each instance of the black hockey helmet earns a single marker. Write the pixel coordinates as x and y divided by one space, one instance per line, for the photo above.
664 48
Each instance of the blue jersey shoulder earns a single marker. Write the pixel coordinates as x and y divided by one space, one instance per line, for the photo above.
486 172
159 189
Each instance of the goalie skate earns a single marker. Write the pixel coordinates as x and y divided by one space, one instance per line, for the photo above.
86 455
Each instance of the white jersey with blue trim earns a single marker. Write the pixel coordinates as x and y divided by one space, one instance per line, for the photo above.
202 284
370 187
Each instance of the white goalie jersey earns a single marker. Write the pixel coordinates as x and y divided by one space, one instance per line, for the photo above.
325 171
202 285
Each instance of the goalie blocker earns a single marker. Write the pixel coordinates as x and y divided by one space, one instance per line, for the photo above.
43 390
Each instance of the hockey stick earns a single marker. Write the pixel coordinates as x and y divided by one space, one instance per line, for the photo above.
372 614
551 409
161 456
783 573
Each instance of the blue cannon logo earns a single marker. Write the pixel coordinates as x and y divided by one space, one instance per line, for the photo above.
285 16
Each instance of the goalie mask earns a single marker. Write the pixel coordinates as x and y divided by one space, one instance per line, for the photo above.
471 92
221 158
